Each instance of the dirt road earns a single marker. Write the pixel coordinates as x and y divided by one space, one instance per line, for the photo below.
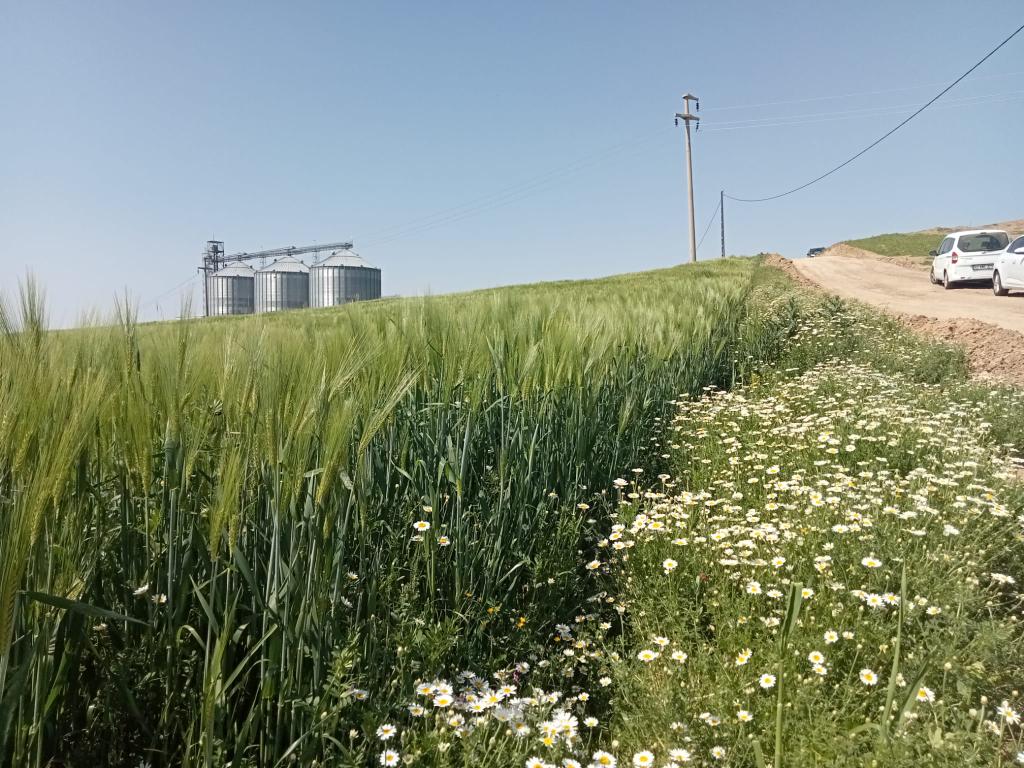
907 291
989 328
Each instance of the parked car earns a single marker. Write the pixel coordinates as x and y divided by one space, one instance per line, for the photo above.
1008 273
815 252
967 257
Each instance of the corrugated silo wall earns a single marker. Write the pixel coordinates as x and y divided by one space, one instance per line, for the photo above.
331 286
276 291
230 295
362 283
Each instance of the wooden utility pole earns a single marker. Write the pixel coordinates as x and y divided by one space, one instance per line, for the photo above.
687 117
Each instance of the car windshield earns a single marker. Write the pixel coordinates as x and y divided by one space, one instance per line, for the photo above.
983 241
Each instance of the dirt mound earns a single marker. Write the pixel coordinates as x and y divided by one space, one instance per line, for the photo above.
994 345
1013 226
994 353
787 266
852 251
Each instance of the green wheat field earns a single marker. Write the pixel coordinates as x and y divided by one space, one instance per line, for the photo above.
696 516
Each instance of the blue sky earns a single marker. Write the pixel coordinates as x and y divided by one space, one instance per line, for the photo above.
467 144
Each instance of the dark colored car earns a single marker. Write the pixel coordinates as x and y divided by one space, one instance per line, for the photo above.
815 252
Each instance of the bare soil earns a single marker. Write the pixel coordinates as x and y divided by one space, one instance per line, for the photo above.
994 353
989 328
1013 227
853 252
789 267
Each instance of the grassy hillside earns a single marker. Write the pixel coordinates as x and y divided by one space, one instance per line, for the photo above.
915 245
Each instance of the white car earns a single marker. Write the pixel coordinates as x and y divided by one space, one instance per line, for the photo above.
967 257
1009 269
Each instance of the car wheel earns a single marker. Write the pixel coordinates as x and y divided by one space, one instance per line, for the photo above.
931 276
997 285
945 280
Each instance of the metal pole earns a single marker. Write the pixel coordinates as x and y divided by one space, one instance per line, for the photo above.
205 271
721 211
687 117
213 260
689 189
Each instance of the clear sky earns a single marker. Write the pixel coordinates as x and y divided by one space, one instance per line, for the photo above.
472 144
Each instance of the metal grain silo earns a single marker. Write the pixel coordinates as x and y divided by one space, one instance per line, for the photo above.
230 291
282 285
340 278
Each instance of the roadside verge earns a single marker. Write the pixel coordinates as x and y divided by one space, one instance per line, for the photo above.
994 353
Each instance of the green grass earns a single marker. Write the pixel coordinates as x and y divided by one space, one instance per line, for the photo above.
852 502
915 245
207 551
827 470
251 540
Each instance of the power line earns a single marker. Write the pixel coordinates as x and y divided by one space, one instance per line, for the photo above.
886 135
503 200
509 194
782 122
516 192
155 301
496 199
860 111
849 95
710 222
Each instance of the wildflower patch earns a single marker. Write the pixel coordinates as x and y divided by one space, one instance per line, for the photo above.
827 578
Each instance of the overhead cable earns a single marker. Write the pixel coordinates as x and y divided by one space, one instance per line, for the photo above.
884 136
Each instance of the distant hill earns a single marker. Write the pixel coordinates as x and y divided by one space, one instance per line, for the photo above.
916 245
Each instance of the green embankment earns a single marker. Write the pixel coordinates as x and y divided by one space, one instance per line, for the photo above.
915 245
